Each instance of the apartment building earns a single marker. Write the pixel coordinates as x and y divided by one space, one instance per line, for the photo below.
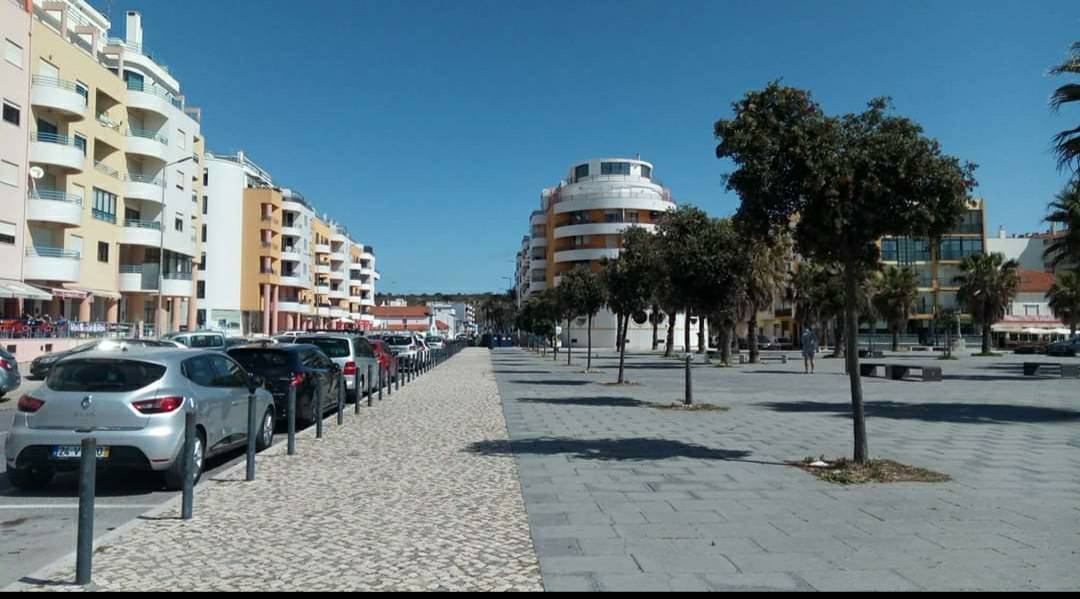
14 141
580 222
275 265
115 154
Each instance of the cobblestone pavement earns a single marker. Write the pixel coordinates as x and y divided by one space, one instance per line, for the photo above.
389 502
624 497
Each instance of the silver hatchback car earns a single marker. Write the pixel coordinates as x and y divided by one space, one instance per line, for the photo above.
134 403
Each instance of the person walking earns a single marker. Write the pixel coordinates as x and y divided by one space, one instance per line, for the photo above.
809 350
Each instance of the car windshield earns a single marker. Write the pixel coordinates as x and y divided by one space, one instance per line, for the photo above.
434 339
399 340
262 360
331 346
117 376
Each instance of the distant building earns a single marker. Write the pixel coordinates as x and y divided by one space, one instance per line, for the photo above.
1026 249
417 319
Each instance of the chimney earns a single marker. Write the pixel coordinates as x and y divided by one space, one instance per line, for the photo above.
1001 232
134 28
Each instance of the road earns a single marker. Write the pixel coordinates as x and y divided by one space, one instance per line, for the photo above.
39 528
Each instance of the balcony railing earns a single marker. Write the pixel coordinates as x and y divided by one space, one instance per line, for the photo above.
137 49
51 138
267 271
53 195
50 252
139 86
131 269
177 276
106 169
147 134
59 83
150 179
135 223
103 216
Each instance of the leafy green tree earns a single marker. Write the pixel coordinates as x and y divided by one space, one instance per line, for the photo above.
588 295
1063 250
723 273
840 184
766 272
681 241
626 283
894 299
988 284
1064 298
948 320
1067 143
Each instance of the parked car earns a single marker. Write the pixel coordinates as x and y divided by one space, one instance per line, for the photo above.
285 339
403 346
135 404
211 340
39 367
350 352
9 373
435 342
422 349
283 366
782 344
384 356
1068 347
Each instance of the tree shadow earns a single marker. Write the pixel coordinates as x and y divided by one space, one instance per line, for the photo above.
959 413
552 382
522 372
634 449
37 582
599 402
1015 378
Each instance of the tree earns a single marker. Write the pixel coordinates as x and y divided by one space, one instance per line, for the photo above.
1064 298
894 299
988 283
766 272
841 184
723 273
948 320
626 282
1064 249
582 294
680 240
1067 143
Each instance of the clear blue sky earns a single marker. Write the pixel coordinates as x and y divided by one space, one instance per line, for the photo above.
431 127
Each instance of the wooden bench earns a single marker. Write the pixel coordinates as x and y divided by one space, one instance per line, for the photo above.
1067 371
898 372
764 359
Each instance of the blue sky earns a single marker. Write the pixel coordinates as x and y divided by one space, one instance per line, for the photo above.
430 128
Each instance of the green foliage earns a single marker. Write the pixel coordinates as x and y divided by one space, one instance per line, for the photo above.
987 284
1067 143
1064 298
626 278
581 293
895 294
1064 249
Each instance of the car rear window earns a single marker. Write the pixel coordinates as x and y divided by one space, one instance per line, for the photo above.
332 347
262 360
114 376
399 340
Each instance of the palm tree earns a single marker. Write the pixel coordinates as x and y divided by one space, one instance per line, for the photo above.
1064 297
767 272
1065 212
896 293
1068 142
988 284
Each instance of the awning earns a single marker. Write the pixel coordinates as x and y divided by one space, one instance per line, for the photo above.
105 294
69 293
20 290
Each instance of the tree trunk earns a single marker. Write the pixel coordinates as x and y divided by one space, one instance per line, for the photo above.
1072 329
725 345
701 341
752 340
852 318
569 344
987 332
618 332
555 342
896 339
655 328
622 355
686 333
670 346
588 356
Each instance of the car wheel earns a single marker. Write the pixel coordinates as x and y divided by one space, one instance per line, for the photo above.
34 478
174 476
266 432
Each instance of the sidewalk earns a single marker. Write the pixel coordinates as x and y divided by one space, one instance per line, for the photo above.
391 501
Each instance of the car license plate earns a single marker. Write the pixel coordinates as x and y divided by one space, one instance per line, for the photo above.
74 452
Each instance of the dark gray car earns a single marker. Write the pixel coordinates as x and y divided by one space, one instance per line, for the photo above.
9 373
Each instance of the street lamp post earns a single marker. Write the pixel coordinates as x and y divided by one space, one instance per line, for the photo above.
161 242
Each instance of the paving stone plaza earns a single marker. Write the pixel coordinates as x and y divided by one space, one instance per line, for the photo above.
500 470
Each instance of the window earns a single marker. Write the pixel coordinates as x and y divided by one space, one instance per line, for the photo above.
646 172
200 318
178 223
205 204
204 233
9 173
1031 310
581 171
180 180
12 113
958 248
7 233
13 53
104 206
181 139
103 252
80 142
202 263
199 370
200 291
205 177
614 168
84 91
230 374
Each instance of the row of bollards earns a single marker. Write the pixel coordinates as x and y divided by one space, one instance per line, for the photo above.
399 372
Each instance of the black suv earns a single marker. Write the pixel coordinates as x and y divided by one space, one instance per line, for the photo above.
283 366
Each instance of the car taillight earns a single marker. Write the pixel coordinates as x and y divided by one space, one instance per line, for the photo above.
297 380
4 364
29 405
350 369
161 405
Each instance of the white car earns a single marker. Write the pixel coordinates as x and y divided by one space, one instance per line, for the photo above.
435 342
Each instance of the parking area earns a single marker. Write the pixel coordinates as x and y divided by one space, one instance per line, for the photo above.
625 497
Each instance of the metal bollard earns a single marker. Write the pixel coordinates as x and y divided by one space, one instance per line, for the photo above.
290 415
356 383
188 500
318 411
367 386
251 432
84 559
381 379
341 399
689 399
397 375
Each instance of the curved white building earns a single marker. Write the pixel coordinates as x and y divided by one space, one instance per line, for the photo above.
581 222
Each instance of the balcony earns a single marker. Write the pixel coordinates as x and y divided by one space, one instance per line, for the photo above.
294 307
322 289
368 302
133 279
56 150
60 96
321 311
176 284
581 254
322 269
322 248
337 256
293 279
292 231
604 228
51 264
291 254
338 294
143 187
51 206
338 275
145 233
148 144
339 313
151 99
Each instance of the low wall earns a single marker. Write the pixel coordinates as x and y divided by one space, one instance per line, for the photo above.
26 350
